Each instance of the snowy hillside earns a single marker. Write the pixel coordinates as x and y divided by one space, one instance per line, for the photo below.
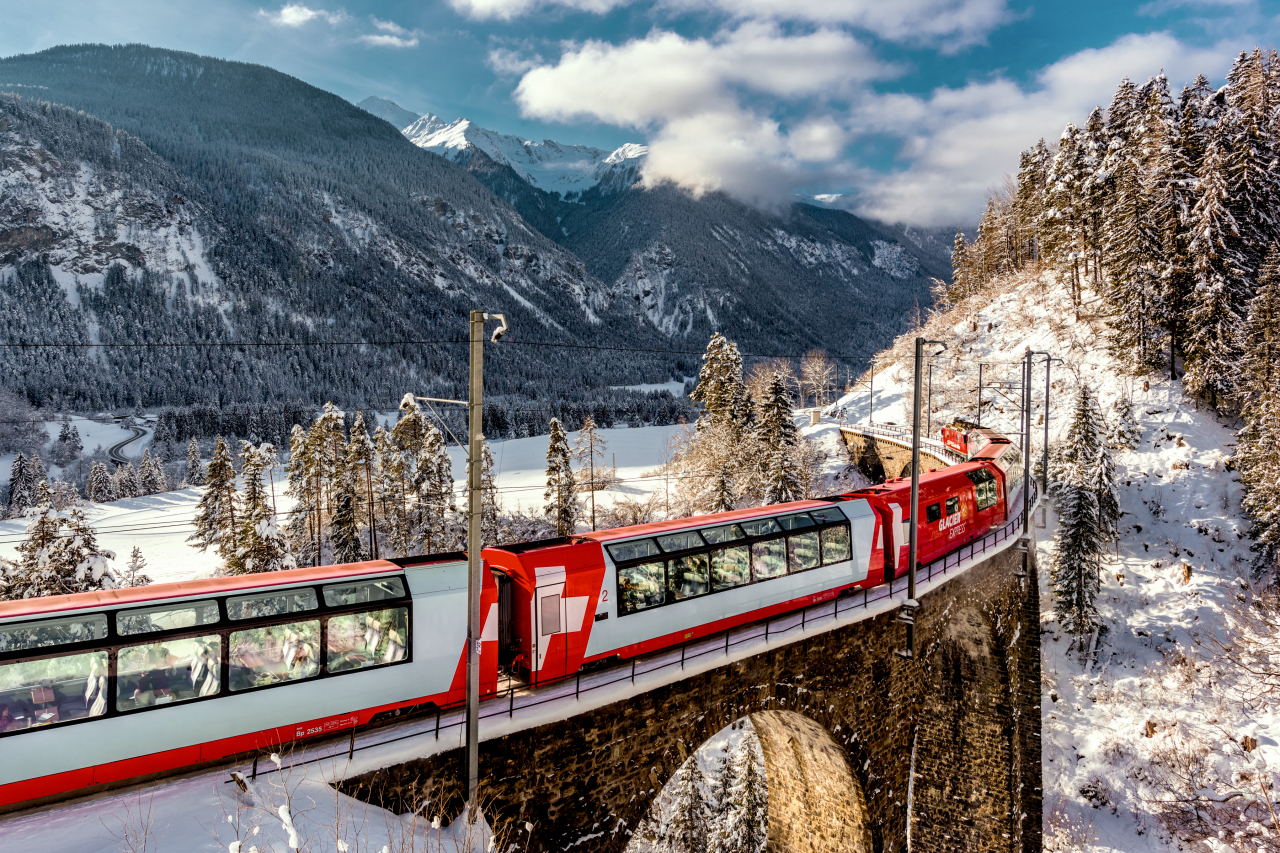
389 111
569 170
1162 735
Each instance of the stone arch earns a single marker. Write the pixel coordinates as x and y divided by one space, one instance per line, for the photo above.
816 803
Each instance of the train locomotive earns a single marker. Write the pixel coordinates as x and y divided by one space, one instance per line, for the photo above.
104 688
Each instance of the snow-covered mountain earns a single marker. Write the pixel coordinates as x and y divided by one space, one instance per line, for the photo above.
387 110
569 170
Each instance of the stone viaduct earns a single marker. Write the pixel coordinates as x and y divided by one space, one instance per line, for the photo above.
864 748
885 456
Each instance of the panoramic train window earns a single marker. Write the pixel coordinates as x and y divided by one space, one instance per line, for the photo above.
953 505
802 551
340 595
986 490
685 540
636 550
168 671
687 577
769 558
54 690
721 535
362 640
761 527
835 544
828 515
275 654
169 618
933 513
730 567
53 632
272 604
795 522
641 586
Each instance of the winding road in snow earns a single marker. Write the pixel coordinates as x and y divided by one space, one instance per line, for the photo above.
116 453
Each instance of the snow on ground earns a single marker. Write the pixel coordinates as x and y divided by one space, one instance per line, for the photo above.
1152 701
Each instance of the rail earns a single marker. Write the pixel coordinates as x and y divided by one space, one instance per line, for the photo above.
506 703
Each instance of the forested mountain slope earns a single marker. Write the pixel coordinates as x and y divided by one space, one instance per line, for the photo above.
323 223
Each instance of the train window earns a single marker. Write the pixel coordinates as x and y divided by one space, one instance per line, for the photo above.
170 618
341 595
685 540
637 550
795 522
933 513
275 654
362 640
270 604
761 527
169 671
953 505
642 586
721 535
988 494
54 690
687 577
828 515
730 567
53 632
835 544
802 551
769 559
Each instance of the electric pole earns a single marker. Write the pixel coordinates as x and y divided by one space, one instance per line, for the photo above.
908 614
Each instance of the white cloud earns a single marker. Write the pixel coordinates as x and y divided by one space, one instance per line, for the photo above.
708 102
950 24
512 63
390 27
386 40
959 143
296 15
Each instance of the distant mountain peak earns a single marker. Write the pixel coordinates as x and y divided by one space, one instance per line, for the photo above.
388 111
554 167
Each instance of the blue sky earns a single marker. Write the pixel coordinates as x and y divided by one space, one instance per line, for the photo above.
909 110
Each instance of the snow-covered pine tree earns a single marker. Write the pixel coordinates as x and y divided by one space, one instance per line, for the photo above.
1126 432
348 546
1081 529
1258 449
560 502
490 516
1062 224
1260 368
962 283
260 545
19 487
1171 186
99 484
59 556
151 478
720 387
685 830
1250 158
588 450
215 518
125 482
305 525
436 499
1102 480
358 468
1218 301
722 499
389 495
134 572
68 446
777 435
195 468
719 801
745 827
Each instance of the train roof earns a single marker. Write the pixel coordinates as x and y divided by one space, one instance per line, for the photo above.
113 598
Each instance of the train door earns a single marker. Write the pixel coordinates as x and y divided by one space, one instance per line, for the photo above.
551 656
901 545
507 648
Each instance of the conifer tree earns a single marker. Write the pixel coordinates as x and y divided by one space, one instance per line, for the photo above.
260 546
588 447
134 573
358 469
560 503
305 524
389 493
195 469
19 486
490 516
745 827
99 484
777 436
215 519
686 828
151 478
59 556
125 482
720 388
1080 472
723 499
1127 432
1260 368
961 273
348 547
436 498
68 446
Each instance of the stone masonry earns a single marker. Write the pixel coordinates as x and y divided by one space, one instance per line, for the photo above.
842 719
882 460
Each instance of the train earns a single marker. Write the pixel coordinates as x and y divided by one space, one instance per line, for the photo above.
113 687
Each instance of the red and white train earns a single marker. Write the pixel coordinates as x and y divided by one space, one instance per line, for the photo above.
102 688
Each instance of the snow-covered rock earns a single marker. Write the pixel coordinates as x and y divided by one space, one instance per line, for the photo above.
569 170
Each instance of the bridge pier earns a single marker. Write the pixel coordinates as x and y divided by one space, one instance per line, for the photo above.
837 714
